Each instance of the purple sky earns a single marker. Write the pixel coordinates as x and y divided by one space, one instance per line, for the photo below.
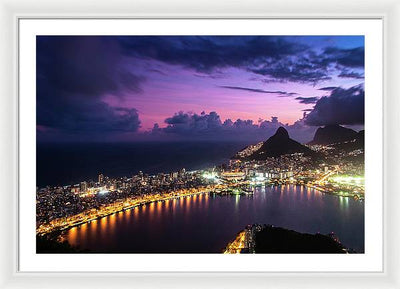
132 88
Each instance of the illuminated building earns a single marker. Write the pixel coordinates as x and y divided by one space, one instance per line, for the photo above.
101 179
83 187
141 176
75 190
233 176
182 172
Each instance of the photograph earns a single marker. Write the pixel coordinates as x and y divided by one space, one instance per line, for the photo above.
200 144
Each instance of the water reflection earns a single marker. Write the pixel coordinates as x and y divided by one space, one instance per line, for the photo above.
103 224
204 223
113 219
237 200
72 235
151 210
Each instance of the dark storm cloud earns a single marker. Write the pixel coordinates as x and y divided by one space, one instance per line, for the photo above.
131 81
205 54
73 74
157 71
305 67
343 106
78 113
188 123
310 66
280 93
345 57
351 74
307 100
328 88
277 58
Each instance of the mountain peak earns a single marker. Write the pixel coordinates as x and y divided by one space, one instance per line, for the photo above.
333 126
281 132
332 134
279 144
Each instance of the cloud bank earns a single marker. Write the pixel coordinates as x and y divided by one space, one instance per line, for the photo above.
73 74
276 58
209 126
342 106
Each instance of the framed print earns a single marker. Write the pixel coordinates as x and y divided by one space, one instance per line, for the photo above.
240 147
152 142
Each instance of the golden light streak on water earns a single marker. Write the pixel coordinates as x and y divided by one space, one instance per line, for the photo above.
159 206
103 224
151 209
93 225
73 235
134 212
113 219
206 200
188 203
83 228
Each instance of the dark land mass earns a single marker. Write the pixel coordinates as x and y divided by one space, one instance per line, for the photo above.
280 144
331 134
49 244
357 142
282 241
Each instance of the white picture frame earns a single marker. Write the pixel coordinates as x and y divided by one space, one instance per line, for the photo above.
12 11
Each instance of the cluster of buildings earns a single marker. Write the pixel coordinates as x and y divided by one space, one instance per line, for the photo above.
63 201
248 151
282 169
245 242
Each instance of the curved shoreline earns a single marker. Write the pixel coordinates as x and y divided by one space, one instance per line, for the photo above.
76 224
70 225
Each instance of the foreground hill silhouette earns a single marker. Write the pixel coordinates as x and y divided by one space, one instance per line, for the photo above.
279 144
331 134
280 240
49 244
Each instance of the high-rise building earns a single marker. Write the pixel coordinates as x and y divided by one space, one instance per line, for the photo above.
141 176
83 187
101 179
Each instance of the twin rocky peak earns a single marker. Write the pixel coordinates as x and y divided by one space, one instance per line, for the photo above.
280 143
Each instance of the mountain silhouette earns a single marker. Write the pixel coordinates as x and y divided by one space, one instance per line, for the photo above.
279 144
331 134
356 142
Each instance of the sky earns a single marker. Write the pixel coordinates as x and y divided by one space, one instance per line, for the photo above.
181 88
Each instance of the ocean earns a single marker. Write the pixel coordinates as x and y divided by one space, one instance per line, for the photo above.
63 164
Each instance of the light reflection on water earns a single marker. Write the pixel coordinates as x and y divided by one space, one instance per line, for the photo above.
206 222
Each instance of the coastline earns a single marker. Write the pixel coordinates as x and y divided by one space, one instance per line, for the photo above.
55 226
